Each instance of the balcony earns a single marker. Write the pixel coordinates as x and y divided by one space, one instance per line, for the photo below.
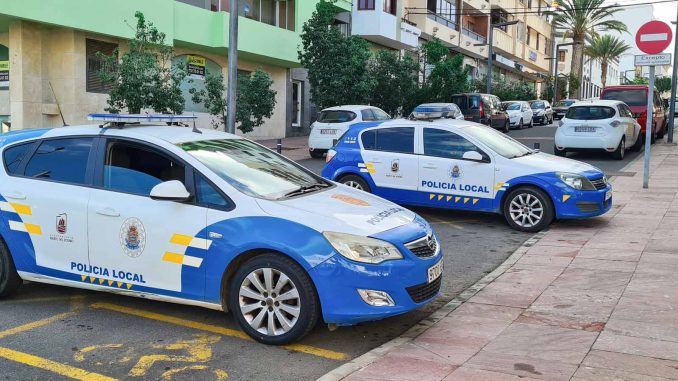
409 34
479 5
473 35
539 24
468 45
509 5
280 13
442 20
503 42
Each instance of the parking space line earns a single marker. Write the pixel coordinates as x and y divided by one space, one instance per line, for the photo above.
35 324
52 366
314 351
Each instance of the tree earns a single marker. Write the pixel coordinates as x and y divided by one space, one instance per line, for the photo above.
606 49
638 81
584 18
144 77
508 90
255 99
663 84
448 75
336 64
394 81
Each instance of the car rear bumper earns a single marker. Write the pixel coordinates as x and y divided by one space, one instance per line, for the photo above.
608 142
316 141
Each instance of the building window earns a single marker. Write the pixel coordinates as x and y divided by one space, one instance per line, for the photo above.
390 6
538 41
546 45
96 63
529 35
278 13
499 16
561 55
365 5
443 8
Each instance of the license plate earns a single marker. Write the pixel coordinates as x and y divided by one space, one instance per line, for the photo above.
608 195
328 131
584 129
435 271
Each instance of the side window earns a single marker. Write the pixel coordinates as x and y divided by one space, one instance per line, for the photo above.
63 160
134 168
446 144
395 139
207 195
13 157
367 115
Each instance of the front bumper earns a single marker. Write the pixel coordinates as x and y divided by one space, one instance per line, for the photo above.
539 118
583 204
405 280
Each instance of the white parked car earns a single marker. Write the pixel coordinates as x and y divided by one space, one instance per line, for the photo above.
598 125
519 112
334 121
450 110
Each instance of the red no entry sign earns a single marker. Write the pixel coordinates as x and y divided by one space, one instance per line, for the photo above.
653 37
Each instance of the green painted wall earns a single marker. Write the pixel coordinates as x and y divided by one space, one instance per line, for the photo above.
184 24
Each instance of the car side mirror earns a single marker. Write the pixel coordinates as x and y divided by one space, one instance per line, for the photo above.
473 156
173 190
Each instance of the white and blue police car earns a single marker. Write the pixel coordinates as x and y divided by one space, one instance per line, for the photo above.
205 218
444 163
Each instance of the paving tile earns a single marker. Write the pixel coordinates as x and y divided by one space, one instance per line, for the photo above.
472 327
453 350
587 373
470 374
509 294
632 364
600 280
611 254
651 309
522 366
556 251
609 341
487 311
661 327
542 342
663 245
407 362
602 264
543 260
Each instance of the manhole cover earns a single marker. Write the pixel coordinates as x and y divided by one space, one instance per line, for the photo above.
621 173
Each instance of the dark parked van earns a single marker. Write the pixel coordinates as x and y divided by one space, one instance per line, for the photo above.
482 108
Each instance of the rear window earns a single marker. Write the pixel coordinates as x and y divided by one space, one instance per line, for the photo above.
637 97
459 100
590 112
336 116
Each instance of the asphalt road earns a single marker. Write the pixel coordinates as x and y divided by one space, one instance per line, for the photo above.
49 332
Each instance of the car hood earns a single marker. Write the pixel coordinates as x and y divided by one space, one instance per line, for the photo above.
341 209
543 162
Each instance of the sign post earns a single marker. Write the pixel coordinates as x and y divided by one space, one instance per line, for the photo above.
652 38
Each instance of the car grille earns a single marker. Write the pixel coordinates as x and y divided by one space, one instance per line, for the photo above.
588 207
600 183
426 291
424 247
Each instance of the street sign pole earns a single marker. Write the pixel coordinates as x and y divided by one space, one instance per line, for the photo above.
672 107
648 130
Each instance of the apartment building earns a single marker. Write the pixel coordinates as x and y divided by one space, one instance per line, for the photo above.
521 50
49 48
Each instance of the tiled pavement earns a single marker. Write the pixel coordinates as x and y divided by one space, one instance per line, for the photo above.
294 148
592 300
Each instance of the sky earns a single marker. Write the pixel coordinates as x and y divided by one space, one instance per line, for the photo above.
666 12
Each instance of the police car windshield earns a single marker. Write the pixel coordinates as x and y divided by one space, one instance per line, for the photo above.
253 169
498 142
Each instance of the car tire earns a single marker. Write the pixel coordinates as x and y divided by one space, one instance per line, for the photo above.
316 154
532 200
521 125
10 281
618 154
638 143
356 182
255 302
558 152
506 126
531 123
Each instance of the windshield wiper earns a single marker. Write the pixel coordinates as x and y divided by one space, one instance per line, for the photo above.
306 189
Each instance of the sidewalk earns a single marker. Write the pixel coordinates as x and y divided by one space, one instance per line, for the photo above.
295 148
592 300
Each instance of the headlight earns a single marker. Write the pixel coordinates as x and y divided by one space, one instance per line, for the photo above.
576 181
362 249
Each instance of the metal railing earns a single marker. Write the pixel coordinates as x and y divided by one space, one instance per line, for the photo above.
442 20
473 35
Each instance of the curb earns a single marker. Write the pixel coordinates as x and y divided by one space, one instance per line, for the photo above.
368 358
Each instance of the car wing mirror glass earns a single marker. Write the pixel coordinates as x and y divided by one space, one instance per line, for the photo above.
472 155
173 190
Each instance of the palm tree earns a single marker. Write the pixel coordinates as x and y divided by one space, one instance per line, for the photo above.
606 49
582 18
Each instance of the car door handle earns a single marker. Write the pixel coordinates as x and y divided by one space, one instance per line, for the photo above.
108 212
375 161
17 196
430 166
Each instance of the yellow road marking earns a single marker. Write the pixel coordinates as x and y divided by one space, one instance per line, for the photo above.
52 366
314 351
35 324
180 239
21 209
79 356
218 373
199 350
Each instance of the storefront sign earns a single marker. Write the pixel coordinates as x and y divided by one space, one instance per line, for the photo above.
196 67
4 73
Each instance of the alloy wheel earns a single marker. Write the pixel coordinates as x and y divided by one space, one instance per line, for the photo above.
354 184
526 210
269 301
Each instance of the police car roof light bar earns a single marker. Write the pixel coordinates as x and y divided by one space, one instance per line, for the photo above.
120 120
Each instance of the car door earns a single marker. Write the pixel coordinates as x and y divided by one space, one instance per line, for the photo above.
389 159
449 180
632 127
527 112
144 244
47 195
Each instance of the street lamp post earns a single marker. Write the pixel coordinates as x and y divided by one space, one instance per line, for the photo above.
490 51
232 66
555 82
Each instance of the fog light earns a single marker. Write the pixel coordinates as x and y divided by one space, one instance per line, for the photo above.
376 298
